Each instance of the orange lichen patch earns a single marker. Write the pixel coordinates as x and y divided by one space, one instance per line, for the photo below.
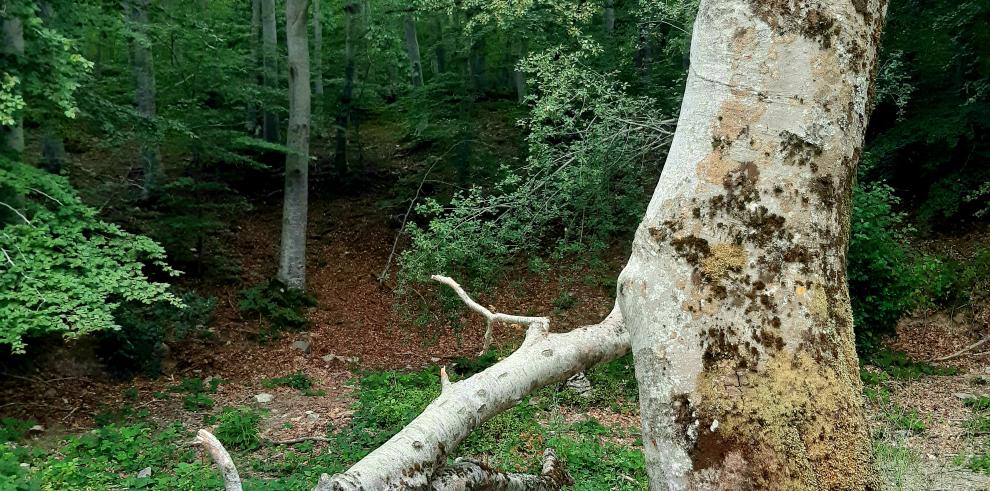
799 422
715 167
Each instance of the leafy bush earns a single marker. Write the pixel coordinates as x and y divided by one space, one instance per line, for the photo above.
64 270
883 279
238 429
282 307
138 346
12 429
299 381
590 144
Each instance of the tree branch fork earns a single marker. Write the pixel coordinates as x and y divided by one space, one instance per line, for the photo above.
416 456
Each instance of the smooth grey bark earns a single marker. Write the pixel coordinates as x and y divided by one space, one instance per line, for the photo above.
342 122
317 49
143 71
412 49
292 257
269 63
52 149
608 17
735 295
440 50
476 66
13 45
251 120
518 76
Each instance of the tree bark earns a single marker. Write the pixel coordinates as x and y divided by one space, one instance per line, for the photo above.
347 91
735 294
608 17
317 49
251 120
13 46
143 69
412 49
292 258
269 62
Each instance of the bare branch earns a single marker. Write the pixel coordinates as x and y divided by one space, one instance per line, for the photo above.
231 480
417 454
537 325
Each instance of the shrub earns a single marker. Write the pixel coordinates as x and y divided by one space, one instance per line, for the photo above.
63 270
238 428
282 307
882 268
138 346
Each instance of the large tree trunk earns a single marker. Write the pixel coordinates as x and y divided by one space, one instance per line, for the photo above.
13 46
292 258
143 69
735 295
317 50
269 63
734 300
412 49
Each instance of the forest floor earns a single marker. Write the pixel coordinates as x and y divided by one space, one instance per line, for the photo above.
361 369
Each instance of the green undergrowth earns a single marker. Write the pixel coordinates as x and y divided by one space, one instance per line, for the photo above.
599 455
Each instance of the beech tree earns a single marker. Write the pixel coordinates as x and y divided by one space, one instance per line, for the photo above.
13 47
143 69
292 258
734 301
269 63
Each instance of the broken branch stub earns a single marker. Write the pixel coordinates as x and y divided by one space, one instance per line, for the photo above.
231 480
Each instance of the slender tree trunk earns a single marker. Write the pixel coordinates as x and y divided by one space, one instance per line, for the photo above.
317 50
608 17
13 46
251 122
52 147
347 92
735 295
440 51
269 57
143 69
292 259
476 66
412 49
518 76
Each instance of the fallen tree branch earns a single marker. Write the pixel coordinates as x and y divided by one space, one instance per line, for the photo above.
293 441
491 317
467 474
416 456
231 480
965 350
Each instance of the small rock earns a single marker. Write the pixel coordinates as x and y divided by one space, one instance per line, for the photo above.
434 359
343 359
301 345
959 318
51 392
310 415
264 398
964 395
579 383
144 473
